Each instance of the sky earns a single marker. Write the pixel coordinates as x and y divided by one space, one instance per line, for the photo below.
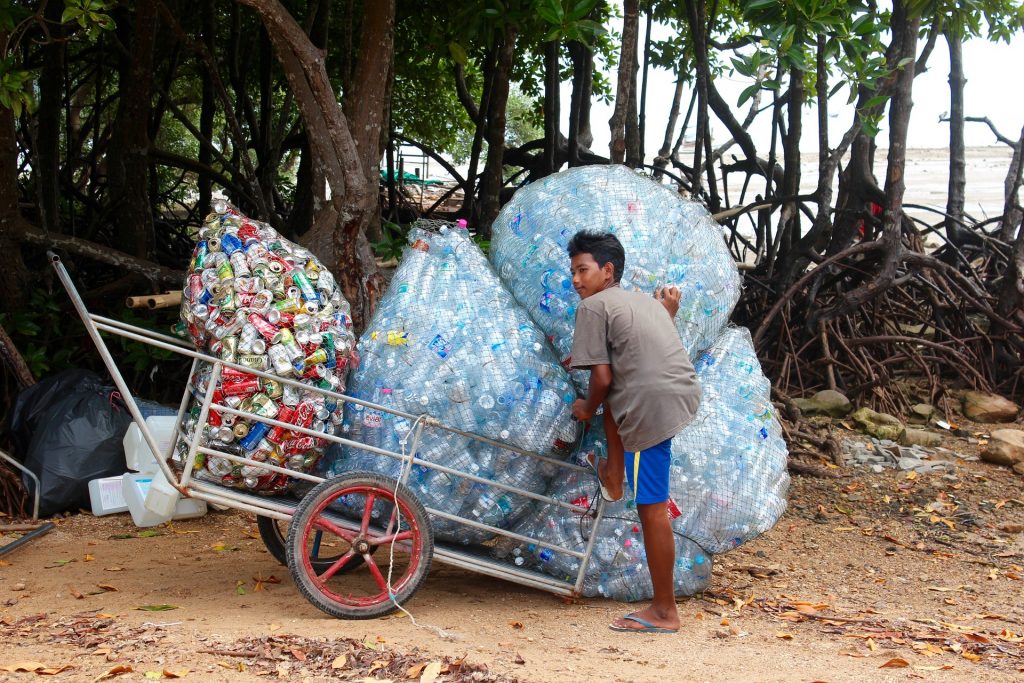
993 77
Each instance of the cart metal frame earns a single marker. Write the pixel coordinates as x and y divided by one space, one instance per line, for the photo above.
282 508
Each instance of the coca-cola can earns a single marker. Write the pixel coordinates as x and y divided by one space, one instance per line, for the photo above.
263 326
242 387
299 445
305 411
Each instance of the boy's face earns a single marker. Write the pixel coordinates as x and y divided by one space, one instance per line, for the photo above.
588 278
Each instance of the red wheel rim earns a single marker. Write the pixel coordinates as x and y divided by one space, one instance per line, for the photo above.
391 534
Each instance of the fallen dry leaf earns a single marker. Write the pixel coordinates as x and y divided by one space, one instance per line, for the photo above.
431 673
941 667
106 587
175 674
970 656
114 671
519 659
35 668
113 569
784 635
88 558
895 663
340 662
298 654
415 670
75 593
515 624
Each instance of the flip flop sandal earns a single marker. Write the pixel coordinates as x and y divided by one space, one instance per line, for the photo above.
607 497
647 627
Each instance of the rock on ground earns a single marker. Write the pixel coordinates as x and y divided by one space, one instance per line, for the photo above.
982 407
1005 447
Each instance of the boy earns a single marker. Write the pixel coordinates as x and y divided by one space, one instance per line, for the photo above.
642 374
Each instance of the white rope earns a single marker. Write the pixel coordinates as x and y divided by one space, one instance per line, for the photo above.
447 635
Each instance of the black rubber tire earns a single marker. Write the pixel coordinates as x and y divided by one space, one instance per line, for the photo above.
275 539
321 496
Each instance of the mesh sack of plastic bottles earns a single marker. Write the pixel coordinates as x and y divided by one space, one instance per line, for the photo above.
618 562
668 240
449 341
254 298
728 483
728 476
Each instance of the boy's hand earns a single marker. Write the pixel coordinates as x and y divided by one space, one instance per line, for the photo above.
579 410
669 298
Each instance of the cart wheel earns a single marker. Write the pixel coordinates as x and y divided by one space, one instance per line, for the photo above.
406 546
274 533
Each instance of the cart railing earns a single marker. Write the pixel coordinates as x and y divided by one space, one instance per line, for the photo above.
211 492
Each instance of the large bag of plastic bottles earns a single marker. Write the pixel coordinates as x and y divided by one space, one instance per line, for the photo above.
728 476
728 484
256 299
448 340
668 240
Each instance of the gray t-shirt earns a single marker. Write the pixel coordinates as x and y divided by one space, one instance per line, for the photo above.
655 391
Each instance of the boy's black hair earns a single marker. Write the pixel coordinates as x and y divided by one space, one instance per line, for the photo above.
603 246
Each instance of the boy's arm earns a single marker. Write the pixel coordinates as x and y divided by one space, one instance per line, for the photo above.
597 391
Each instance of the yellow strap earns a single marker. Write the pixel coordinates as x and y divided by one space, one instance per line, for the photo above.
636 473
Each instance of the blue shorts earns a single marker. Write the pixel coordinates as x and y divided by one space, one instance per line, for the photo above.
647 472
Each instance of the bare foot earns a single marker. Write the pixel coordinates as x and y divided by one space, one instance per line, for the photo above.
668 618
614 488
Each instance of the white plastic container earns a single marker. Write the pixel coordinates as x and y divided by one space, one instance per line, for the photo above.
135 487
106 496
137 454
151 500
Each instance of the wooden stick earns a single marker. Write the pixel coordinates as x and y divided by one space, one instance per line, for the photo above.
231 653
154 301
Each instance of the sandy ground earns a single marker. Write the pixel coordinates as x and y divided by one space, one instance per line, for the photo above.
923 574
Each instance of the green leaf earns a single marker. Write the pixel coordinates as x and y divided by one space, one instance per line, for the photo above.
581 9
756 5
549 15
458 53
875 101
743 66
157 608
150 533
747 94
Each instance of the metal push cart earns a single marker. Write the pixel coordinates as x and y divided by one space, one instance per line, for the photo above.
337 527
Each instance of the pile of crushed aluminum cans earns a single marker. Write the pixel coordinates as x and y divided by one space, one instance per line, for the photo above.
253 298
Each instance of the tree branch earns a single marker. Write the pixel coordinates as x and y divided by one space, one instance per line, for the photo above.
98 252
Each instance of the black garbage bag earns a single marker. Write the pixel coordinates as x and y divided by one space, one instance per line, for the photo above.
77 438
32 403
